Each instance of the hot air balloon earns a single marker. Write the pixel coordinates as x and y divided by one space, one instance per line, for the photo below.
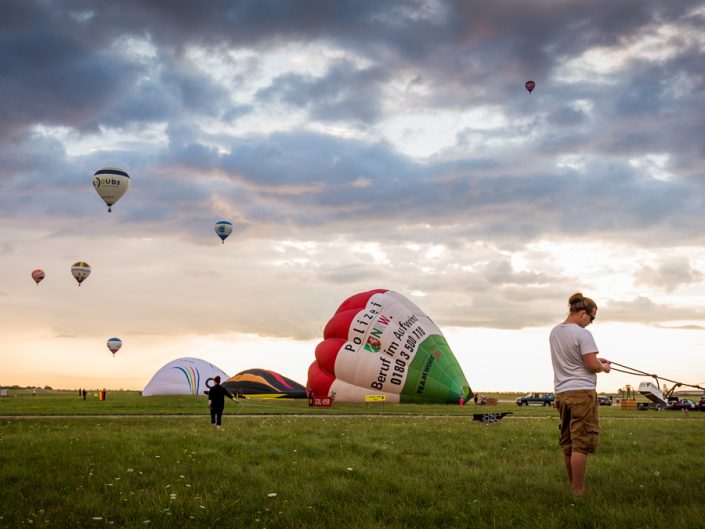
380 343
80 271
38 275
263 383
530 85
111 183
183 376
223 228
114 344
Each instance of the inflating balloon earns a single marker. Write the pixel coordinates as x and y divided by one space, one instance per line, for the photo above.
111 183
114 344
223 229
530 85
263 383
38 275
80 271
380 343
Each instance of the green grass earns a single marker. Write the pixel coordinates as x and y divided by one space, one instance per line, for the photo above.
132 403
416 469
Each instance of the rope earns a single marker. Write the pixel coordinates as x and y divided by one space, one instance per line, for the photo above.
639 372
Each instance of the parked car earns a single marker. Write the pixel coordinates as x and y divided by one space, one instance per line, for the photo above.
701 403
682 404
536 399
604 400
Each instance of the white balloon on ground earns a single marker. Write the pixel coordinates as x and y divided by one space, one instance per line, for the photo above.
183 376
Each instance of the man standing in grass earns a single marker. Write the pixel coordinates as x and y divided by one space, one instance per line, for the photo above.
575 364
216 402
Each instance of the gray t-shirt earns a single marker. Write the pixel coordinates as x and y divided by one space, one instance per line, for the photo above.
569 342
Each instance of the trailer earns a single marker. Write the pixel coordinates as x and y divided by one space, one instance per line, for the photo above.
658 399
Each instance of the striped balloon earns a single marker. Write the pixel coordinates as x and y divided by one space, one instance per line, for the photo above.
114 344
80 271
38 275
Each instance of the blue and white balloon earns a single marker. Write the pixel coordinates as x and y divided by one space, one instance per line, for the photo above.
223 228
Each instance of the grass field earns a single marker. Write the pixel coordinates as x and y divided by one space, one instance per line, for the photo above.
281 464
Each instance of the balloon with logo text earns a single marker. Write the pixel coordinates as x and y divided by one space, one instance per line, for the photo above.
111 183
223 228
380 343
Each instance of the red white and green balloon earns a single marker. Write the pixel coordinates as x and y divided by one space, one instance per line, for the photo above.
380 343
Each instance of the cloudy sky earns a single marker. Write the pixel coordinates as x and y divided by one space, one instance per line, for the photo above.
353 145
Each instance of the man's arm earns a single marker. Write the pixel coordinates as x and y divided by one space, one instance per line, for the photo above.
596 365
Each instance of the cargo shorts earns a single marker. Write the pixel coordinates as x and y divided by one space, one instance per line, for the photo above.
579 421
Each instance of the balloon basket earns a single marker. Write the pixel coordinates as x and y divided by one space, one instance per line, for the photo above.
628 404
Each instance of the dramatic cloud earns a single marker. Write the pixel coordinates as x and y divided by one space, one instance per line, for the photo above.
670 273
354 145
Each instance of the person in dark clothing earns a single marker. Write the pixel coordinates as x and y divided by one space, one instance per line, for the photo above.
216 402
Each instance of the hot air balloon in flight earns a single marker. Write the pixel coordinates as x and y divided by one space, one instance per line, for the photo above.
80 271
380 343
114 344
223 228
111 183
530 85
38 275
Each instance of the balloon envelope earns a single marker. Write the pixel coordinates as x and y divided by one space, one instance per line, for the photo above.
80 271
38 275
262 383
380 343
530 85
183 376
111 183
114 344
223 228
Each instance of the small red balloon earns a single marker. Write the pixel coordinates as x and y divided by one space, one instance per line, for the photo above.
530 85
37 275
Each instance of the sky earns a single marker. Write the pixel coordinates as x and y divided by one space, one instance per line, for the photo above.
354 145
